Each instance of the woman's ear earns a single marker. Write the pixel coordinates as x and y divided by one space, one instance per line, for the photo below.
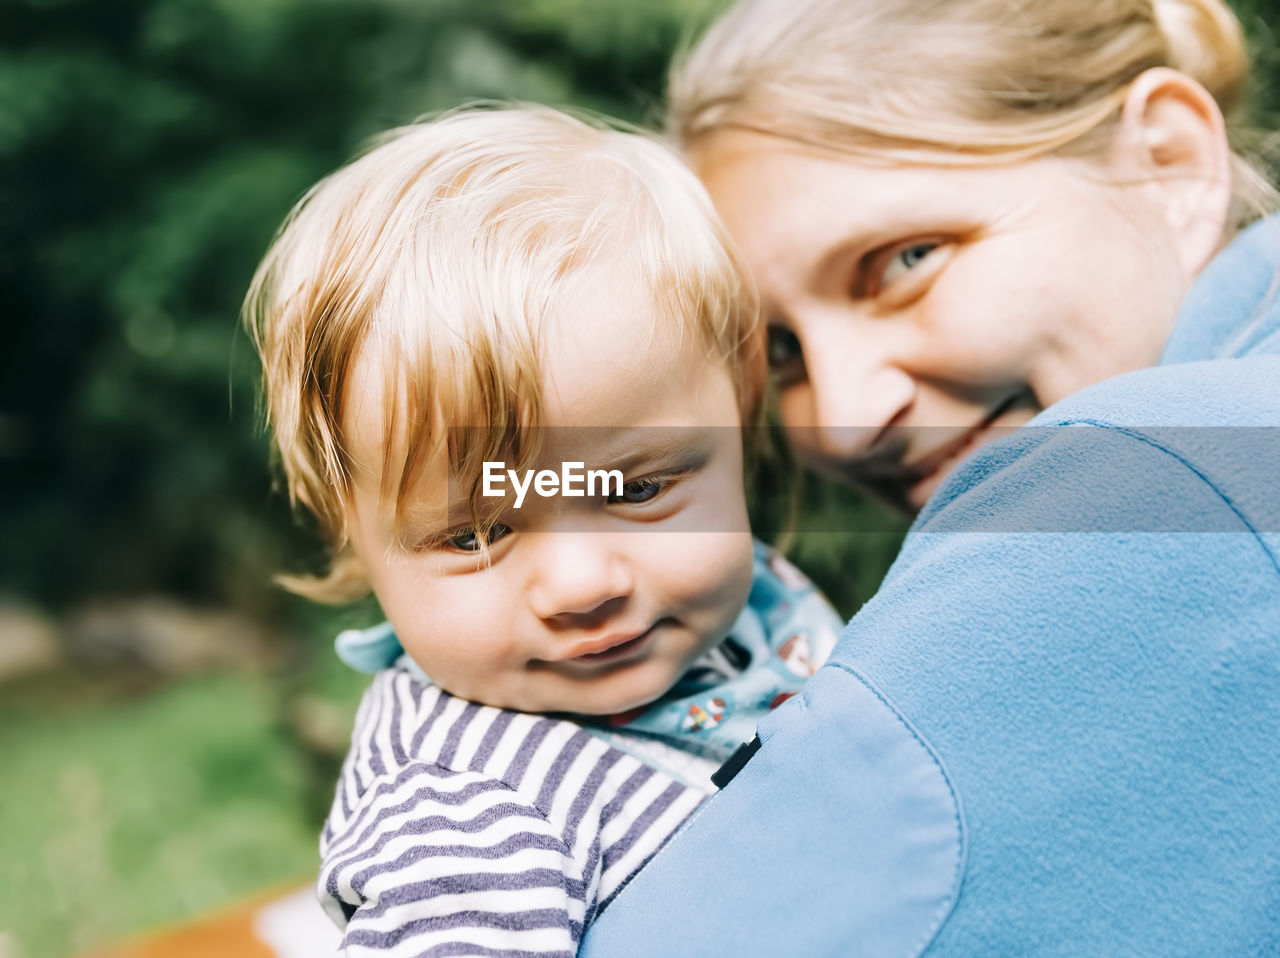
1172 144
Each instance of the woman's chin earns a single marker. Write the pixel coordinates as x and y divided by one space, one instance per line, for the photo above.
916 496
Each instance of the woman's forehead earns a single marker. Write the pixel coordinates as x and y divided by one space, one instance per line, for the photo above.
794 207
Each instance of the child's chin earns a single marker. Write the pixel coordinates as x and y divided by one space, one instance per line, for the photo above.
633 696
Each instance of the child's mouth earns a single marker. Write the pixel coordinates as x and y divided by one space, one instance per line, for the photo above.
615 647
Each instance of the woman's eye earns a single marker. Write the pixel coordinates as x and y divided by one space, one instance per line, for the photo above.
470 540
782 347
640 490
905 260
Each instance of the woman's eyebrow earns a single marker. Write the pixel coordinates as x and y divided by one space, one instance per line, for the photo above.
858 239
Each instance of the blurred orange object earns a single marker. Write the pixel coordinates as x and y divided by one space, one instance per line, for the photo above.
277 924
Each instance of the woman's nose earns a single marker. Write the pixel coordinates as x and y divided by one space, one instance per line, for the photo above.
579 575
850 397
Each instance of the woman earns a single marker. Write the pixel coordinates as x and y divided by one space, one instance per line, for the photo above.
1053 730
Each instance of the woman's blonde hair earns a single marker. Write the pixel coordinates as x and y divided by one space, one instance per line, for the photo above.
435 256
960 82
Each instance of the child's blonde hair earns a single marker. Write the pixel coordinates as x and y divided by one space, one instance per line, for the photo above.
958 82
435 255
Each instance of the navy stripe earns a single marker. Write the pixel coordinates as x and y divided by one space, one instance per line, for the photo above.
368 704
587 793
629 787
376 765
415 746
468 882
641 824
506 847
524 754
560 767
480 951
399 758
450 747
489 743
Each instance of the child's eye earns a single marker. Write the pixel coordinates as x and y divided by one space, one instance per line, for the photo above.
642 490
470 540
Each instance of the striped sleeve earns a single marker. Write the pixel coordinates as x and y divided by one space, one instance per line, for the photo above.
439 862
461 829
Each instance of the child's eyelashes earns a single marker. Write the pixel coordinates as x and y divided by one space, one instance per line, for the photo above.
471 540
467 540
474 541
646 488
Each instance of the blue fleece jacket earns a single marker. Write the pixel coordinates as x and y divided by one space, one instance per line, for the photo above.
1056 728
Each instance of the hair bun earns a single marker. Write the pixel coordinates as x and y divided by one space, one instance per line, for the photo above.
1206 42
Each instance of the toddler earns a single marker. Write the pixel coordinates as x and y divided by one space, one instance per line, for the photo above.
508 357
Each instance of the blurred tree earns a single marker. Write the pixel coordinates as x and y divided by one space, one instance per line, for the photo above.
148 150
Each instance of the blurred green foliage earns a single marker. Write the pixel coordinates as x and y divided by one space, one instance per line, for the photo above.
148 150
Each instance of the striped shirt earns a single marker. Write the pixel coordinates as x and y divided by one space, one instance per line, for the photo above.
463 829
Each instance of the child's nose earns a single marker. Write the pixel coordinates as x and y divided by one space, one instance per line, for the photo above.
578 575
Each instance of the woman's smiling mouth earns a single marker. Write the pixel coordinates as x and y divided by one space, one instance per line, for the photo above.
922 478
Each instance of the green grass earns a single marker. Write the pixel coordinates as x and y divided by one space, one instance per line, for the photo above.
120 814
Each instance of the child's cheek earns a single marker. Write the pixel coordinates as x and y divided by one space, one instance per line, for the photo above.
719 573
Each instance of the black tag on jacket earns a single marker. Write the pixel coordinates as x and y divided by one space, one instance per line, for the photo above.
734 763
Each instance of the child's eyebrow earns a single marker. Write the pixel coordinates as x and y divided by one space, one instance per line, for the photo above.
672 447
417 529
416 524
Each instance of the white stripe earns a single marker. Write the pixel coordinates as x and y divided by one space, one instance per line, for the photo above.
473 736
614 779
434 739
648 842
411 714
536 771
635 805
505 752
575 779
546 940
